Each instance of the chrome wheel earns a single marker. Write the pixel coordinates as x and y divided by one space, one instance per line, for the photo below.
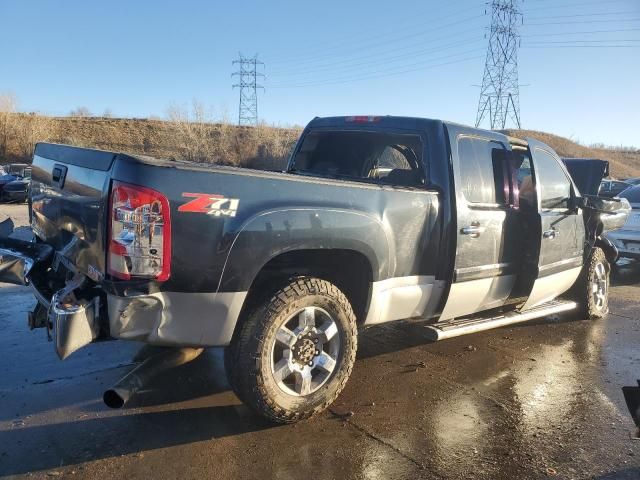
599 286
305 351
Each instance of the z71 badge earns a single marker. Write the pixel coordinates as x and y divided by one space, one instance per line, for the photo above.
211 204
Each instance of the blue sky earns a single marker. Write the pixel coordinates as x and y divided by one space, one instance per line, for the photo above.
138 58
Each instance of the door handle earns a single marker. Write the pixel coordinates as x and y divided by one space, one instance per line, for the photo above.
474 230
551 234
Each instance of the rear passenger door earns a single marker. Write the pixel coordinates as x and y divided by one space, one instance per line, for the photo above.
486 232
562 233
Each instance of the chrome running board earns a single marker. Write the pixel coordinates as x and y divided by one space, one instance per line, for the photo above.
464 326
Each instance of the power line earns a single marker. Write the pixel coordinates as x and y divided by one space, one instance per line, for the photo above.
598 14
388 59
248 84
537 42
381 70
500 94
580 46
569 5
376 52
583 22
368 44
583 32
348 65
362 39
372 77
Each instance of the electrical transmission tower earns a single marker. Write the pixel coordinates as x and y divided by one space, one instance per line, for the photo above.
248 84
499 94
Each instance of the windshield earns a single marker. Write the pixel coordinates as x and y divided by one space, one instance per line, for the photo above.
18 170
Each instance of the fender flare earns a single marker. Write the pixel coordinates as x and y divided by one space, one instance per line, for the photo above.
269 234
610 250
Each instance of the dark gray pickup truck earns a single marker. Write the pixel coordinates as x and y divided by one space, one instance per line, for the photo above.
376 219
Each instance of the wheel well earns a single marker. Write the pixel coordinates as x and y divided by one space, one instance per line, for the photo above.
610 251
349 270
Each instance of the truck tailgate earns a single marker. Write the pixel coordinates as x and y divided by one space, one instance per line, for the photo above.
69 200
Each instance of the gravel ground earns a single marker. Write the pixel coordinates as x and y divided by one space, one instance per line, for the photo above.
537 400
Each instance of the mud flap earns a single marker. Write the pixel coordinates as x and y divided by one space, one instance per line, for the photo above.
19 259
632 397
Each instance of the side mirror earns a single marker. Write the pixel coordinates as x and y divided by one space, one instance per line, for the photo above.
575 202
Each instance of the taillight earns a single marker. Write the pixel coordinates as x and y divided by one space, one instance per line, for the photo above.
140 233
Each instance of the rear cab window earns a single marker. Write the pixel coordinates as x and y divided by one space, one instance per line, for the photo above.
374 157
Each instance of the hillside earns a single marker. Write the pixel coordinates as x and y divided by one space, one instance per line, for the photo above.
260 147
622 164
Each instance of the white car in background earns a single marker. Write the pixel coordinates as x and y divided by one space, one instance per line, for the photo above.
627 239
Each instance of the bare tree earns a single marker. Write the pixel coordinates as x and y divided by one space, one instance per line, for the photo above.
8 108
193 130
82 112
107 113
31 129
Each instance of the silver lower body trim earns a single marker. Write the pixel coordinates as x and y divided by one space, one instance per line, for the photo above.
551 286
404 297
176 318
466 298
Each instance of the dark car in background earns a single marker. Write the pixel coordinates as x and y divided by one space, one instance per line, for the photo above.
612 188
17 190
14 182
5 178
632 180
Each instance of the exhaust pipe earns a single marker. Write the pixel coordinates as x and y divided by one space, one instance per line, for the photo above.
118 395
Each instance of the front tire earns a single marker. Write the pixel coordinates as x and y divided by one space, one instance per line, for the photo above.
295 351
592 288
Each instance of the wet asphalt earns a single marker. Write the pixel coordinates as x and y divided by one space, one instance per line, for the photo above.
537 400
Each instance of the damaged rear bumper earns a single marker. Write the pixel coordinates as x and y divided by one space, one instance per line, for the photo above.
72 319
18 258
78 312
179 319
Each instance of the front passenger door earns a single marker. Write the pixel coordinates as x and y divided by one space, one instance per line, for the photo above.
562 233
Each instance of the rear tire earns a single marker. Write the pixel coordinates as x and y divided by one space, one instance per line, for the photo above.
295 351
591 291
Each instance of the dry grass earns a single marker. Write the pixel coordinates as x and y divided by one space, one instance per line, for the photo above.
194 135
183 138
622 164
